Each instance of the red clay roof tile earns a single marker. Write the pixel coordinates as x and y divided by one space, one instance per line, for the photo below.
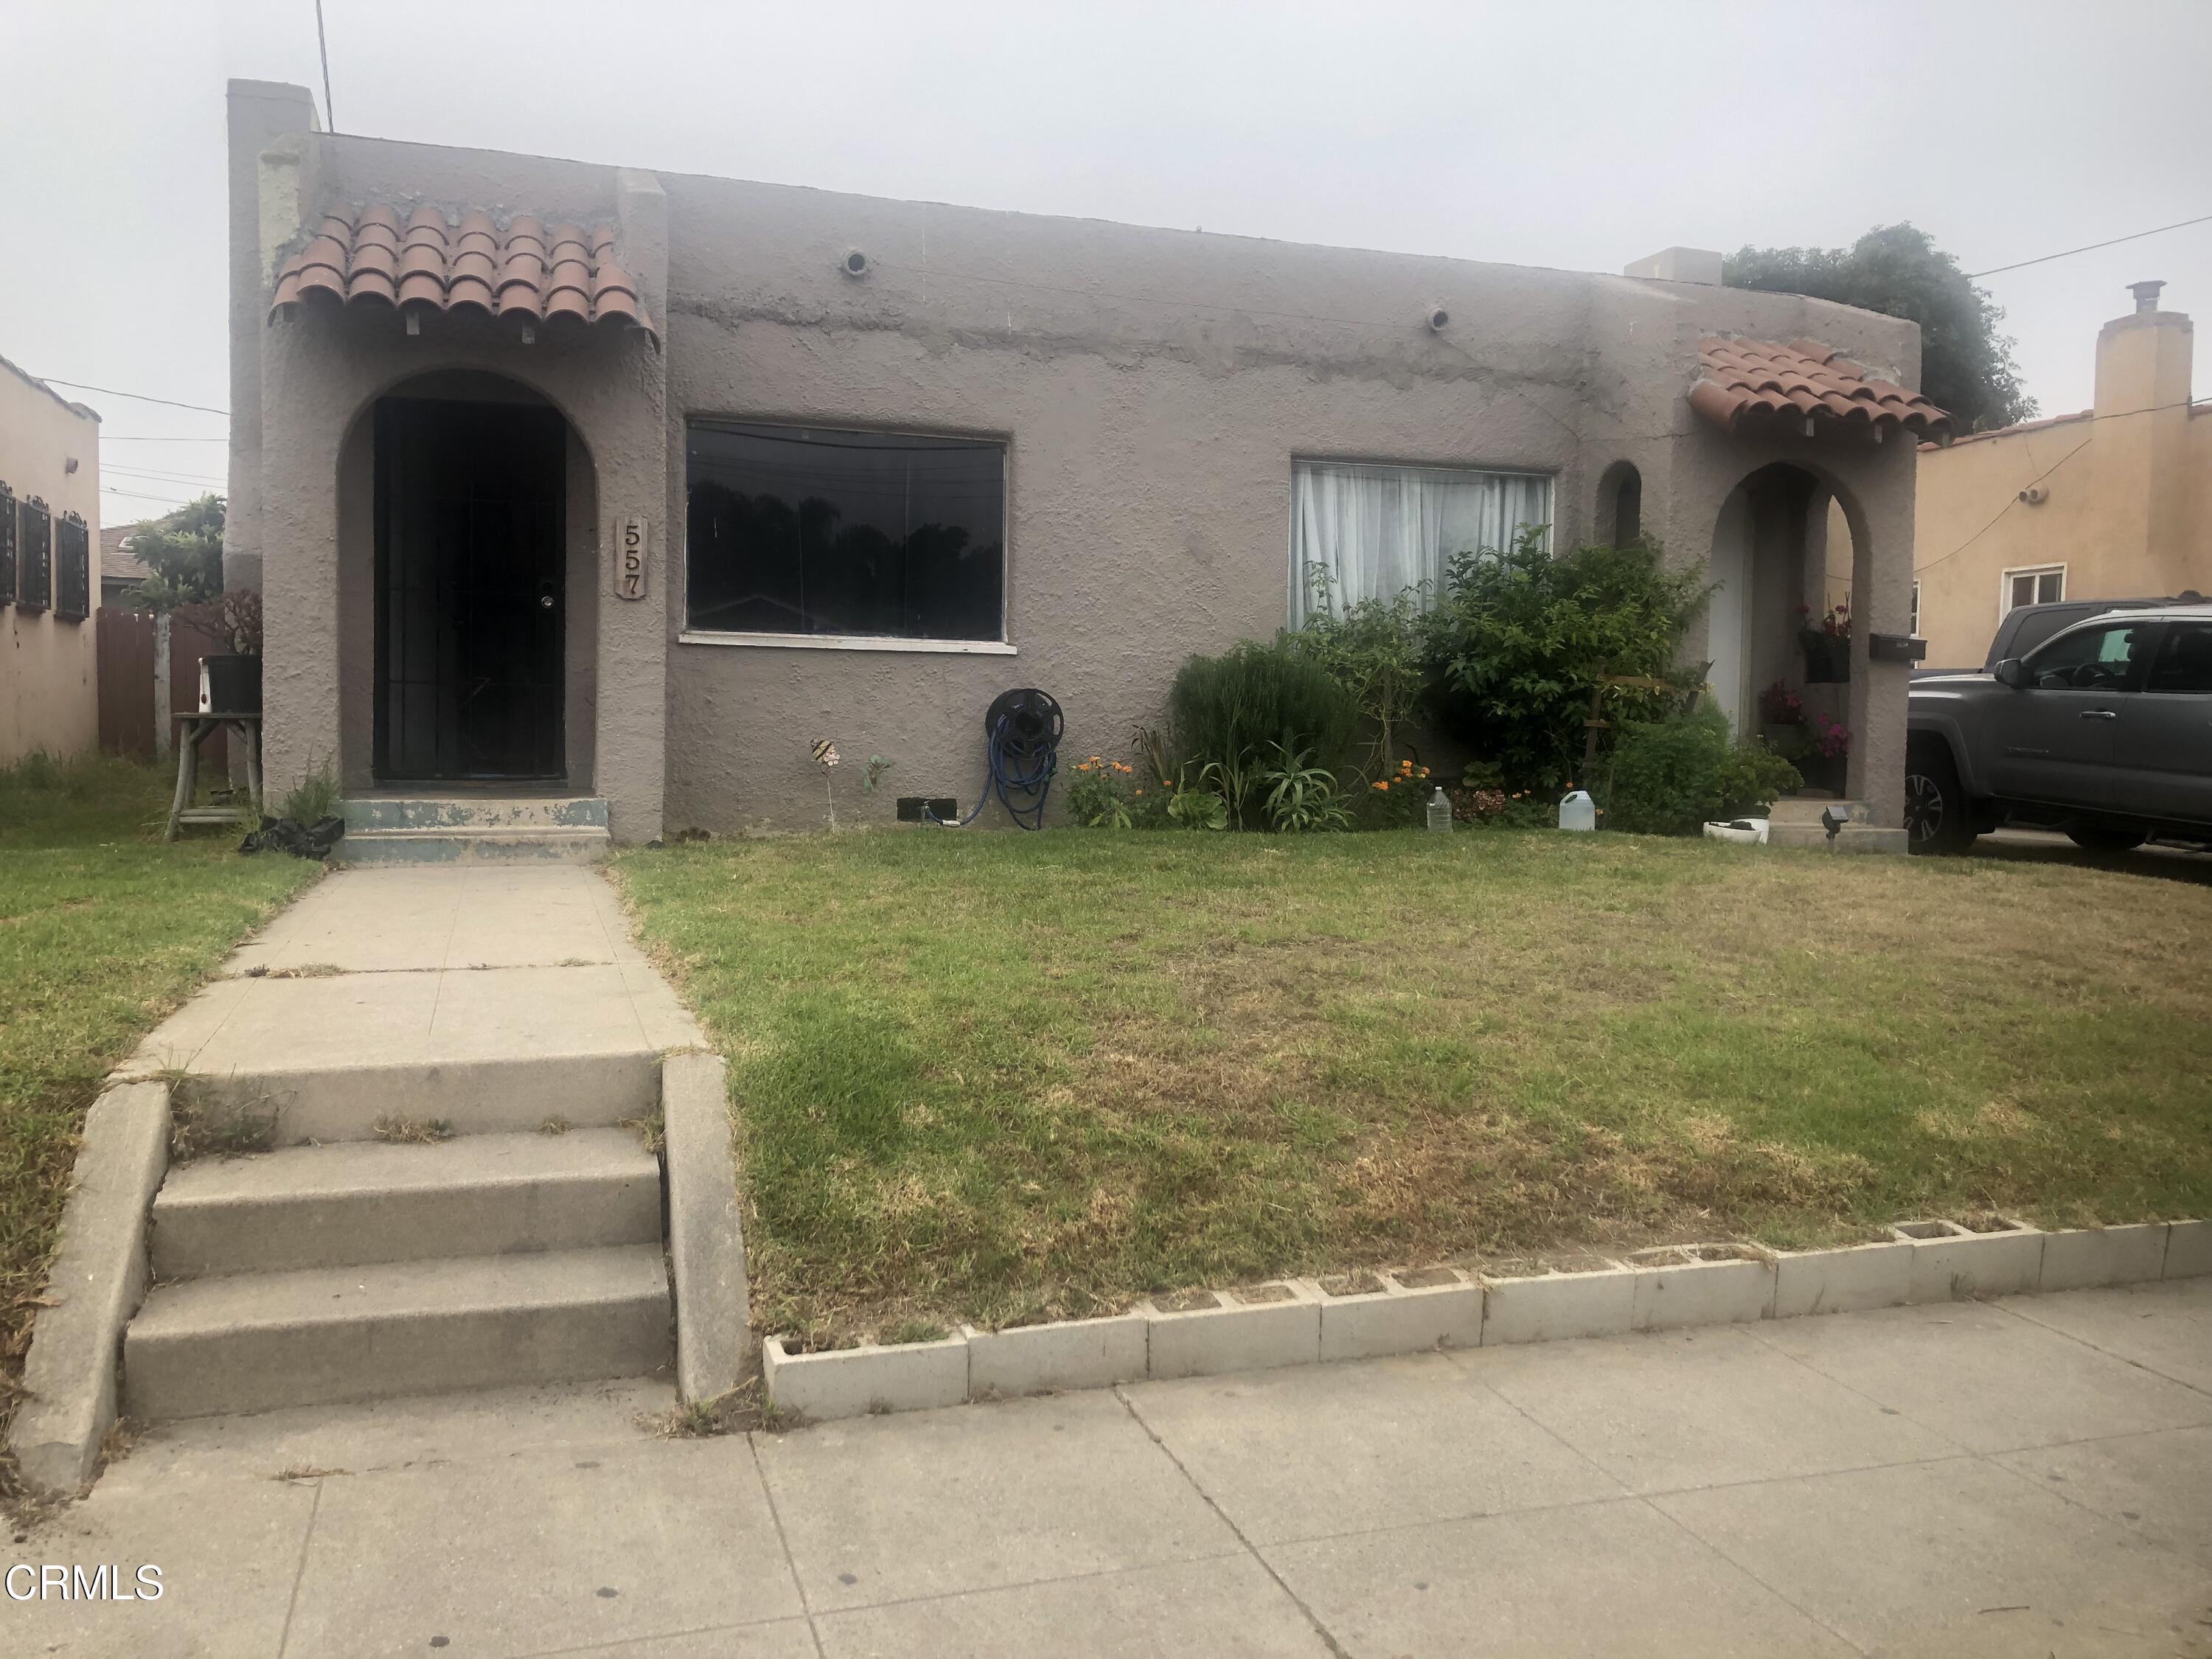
1743 384
523 271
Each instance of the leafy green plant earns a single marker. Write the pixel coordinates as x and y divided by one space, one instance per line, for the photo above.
316 796
1518 640
1668 777
1302 797
1223 712
1196 807
872 773
1400 801
1374 649
1096 797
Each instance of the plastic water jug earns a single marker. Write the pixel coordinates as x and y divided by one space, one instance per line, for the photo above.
1440 812
1578 811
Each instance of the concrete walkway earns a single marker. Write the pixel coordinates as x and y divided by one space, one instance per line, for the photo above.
442 966
2026 1478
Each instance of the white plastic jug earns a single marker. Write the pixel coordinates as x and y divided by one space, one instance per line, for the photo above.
1578 811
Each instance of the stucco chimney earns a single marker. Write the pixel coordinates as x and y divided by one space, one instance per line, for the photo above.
2143 358
1679 264
2141 448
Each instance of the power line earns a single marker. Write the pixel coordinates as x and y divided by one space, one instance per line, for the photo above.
164 474
2133 236
2117 415
141 495
154 438
110 392
323 45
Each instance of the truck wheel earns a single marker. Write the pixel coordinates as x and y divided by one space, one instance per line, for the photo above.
2097 838
1937 819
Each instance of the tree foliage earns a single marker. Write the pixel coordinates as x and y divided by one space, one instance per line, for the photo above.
1966 366
184 549
1517 641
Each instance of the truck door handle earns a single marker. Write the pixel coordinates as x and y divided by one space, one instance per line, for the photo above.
2100 714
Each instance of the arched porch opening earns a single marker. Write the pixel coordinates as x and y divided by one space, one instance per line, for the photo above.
1782 554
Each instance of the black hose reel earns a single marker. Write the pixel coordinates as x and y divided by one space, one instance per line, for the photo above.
1022 731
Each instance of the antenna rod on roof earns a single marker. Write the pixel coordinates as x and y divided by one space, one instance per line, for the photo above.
323 45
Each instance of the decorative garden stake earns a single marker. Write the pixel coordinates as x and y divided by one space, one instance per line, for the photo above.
825 755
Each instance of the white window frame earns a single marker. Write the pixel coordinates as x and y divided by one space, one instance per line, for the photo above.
2005 606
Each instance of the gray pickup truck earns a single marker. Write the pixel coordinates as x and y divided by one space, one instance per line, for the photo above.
2104 731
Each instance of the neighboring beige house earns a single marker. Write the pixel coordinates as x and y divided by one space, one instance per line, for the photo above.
121 574
574 480
2113 503
49 522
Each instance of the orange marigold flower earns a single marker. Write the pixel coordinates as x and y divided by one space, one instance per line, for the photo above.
1379 784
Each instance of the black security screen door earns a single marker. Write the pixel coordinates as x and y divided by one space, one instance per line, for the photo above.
469 601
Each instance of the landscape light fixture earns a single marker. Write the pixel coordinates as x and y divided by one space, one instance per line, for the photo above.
1833 818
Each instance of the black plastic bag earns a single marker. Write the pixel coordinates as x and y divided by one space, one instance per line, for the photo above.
314 841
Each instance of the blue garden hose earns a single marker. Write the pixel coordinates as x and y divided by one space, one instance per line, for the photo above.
1021 754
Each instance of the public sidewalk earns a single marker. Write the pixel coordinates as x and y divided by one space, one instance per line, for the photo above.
2025 1477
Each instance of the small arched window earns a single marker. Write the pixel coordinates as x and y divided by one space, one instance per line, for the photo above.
1620 505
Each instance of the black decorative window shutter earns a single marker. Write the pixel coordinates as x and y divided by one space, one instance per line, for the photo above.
72 570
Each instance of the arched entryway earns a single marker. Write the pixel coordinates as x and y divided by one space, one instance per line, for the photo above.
469 621
1771 567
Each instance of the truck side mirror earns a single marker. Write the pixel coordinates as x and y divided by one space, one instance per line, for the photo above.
2012 672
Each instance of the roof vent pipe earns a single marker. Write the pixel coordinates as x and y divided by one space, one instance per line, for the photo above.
2146 296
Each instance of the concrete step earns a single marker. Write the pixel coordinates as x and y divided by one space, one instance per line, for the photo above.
1851 838
363 1202
466 811
338 1101
1807 809
522 844
250 1342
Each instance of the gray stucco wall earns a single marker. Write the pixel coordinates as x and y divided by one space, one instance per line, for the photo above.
1152 386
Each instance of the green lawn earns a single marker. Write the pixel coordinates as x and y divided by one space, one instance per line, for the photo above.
994 1077
103 930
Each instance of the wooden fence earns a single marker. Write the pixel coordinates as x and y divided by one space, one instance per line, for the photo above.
134 718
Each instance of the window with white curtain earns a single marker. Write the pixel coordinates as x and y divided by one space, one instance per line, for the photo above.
1361 531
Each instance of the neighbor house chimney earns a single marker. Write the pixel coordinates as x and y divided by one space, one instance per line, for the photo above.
1679 264
2140 448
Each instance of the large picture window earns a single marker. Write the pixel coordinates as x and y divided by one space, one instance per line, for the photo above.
1360 531
870 535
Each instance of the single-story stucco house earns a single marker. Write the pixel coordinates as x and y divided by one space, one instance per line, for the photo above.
576 480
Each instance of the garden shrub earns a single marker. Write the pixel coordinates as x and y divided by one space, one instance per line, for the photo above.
1517 640
1668 777
1225 712
1374 649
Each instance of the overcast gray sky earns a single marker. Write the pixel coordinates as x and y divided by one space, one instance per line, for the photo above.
1576 135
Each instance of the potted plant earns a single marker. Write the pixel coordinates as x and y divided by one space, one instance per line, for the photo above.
1827 648
1826 763
230 681
1780 718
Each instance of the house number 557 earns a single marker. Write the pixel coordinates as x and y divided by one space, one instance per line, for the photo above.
631 543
